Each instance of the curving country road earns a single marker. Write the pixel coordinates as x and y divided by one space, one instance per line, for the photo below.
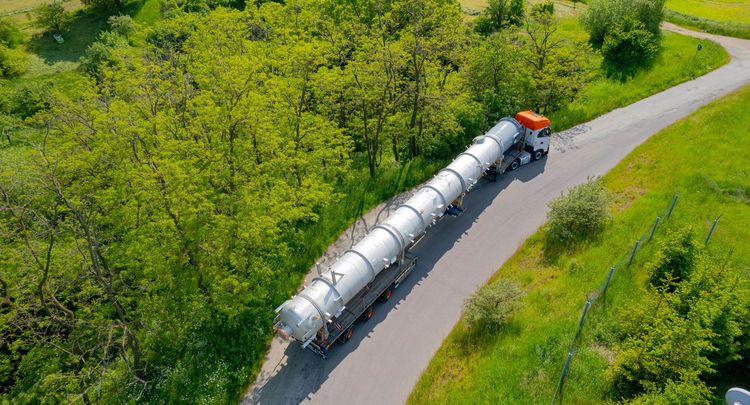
386 356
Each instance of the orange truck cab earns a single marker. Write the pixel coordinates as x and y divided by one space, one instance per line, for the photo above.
537 131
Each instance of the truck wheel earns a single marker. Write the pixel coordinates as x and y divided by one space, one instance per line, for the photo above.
514 165
366 315
538 154
386 295
347 335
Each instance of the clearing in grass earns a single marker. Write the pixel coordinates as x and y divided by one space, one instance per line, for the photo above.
521 364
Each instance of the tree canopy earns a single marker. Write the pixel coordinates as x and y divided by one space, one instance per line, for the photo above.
151 229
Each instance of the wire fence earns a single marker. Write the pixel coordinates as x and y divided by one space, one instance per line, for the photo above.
624 262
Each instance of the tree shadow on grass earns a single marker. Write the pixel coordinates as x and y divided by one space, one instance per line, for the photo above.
82 31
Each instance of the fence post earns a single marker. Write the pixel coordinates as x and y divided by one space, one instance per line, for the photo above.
653 230
674 201
609 278
711 231
632 255
583 316
562 377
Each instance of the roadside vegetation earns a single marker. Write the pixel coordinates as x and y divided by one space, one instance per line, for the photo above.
157 202
673 326
723 17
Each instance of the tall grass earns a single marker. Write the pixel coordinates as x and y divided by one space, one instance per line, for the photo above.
521 364
723 11
731 29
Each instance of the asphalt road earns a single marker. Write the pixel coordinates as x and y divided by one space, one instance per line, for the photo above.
387 354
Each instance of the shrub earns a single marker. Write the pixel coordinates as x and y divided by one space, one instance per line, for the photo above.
492 305
603 15
578 214
629 44
13 62
500 14
675 259
52 16
546 8
121 24
103 52
10 35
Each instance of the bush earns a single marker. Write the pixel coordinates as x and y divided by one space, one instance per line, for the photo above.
103 52
492 305
500 14
675 259
603 15
10 35
541 9
629 44
122 25
52 16
13 62
578 214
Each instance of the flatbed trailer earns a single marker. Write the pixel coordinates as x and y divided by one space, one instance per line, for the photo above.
360 307
366 268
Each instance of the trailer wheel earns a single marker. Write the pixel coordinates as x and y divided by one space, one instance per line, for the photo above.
367 314
347 335
538 154
386 295
514 165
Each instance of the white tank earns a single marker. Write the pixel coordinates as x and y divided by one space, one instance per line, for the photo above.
305 313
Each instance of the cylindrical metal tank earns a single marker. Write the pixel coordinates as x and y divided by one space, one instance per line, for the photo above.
305 313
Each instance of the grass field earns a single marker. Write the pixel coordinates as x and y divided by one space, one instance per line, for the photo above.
20 10
733 11
521 364
723 17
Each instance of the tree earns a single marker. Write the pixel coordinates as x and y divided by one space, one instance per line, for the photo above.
500 14
10 34
682 332
497 79
559 68
13 62
602 15
629 44
675 259
122 25
52 16
103 52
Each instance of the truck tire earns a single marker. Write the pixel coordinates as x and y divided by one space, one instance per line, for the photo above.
538 154
386 295
347 335
513 166
366 315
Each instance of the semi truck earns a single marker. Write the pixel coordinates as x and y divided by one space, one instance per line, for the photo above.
325 311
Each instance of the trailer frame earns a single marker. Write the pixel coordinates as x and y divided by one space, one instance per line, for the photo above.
337 327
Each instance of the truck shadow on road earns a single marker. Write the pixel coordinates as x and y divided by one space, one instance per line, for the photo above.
300 373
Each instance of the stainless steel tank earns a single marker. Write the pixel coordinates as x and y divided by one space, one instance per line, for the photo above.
305 313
